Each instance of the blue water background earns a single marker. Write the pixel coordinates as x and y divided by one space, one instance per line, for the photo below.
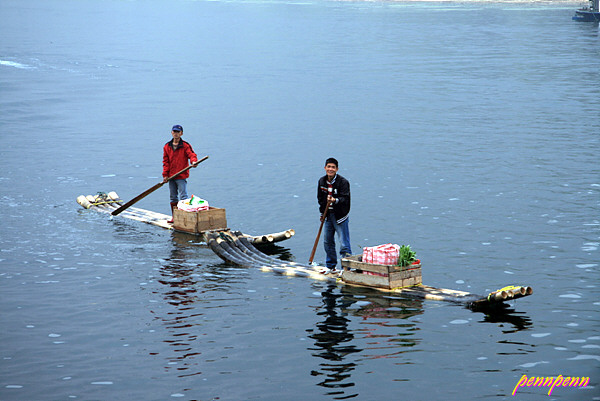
469 130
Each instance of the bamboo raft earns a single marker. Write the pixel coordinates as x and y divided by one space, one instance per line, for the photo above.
109 202
234 247
239 248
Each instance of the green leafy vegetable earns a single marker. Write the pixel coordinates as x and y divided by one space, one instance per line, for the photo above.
406 256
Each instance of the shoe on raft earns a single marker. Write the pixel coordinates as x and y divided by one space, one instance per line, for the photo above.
333 272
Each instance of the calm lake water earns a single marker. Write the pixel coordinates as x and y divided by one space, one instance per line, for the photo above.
469 130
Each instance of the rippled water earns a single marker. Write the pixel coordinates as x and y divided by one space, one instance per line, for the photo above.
467 130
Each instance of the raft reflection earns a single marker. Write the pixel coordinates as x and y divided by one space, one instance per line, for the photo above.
184 289
335 342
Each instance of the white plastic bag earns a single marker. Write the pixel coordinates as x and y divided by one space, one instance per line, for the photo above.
193 204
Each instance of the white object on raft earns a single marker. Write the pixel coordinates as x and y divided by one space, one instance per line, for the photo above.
111 202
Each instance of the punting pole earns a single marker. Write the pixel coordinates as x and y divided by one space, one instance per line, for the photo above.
323 216
155 187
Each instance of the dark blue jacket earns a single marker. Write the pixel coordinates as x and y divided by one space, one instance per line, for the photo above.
341 191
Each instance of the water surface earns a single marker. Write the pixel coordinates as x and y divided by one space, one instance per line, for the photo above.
468 130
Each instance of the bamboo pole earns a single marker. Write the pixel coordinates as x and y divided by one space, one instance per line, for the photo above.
155 187
323 216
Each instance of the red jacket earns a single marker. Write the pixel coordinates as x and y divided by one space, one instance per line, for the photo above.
176 160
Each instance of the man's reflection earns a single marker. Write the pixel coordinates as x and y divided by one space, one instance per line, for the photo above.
332 344
334 341
185 289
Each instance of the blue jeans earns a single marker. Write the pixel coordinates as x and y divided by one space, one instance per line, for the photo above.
178 190
331 227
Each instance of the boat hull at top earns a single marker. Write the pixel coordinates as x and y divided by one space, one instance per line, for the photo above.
586 16
589 14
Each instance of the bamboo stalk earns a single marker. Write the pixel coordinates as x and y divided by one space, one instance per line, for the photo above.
155 187
312 254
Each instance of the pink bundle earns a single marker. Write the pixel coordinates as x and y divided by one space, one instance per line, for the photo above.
385 254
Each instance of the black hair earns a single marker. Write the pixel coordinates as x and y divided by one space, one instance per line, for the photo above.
332 160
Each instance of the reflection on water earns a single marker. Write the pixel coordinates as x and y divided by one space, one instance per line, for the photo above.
375 304
387 330
518 320
187 284
331 338
336 343
177 274
276 250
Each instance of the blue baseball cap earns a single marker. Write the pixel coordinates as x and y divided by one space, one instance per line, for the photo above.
177 128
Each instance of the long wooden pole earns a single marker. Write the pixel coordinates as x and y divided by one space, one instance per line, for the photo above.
154 188
312 254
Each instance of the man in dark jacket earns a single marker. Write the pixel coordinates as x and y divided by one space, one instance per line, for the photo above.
336 189
176 154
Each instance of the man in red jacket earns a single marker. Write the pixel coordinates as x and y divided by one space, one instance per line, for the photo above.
176 154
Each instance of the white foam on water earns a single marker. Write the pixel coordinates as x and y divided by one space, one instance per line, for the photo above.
583 357
586 265
16 65
594 338
561 348
579 340
573 324
540 335
459 282
459 321
53 335
532 364
13 386
590 346
102 383
507 272
569 296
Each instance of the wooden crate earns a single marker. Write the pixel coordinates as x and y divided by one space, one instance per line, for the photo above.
197 222
382 276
